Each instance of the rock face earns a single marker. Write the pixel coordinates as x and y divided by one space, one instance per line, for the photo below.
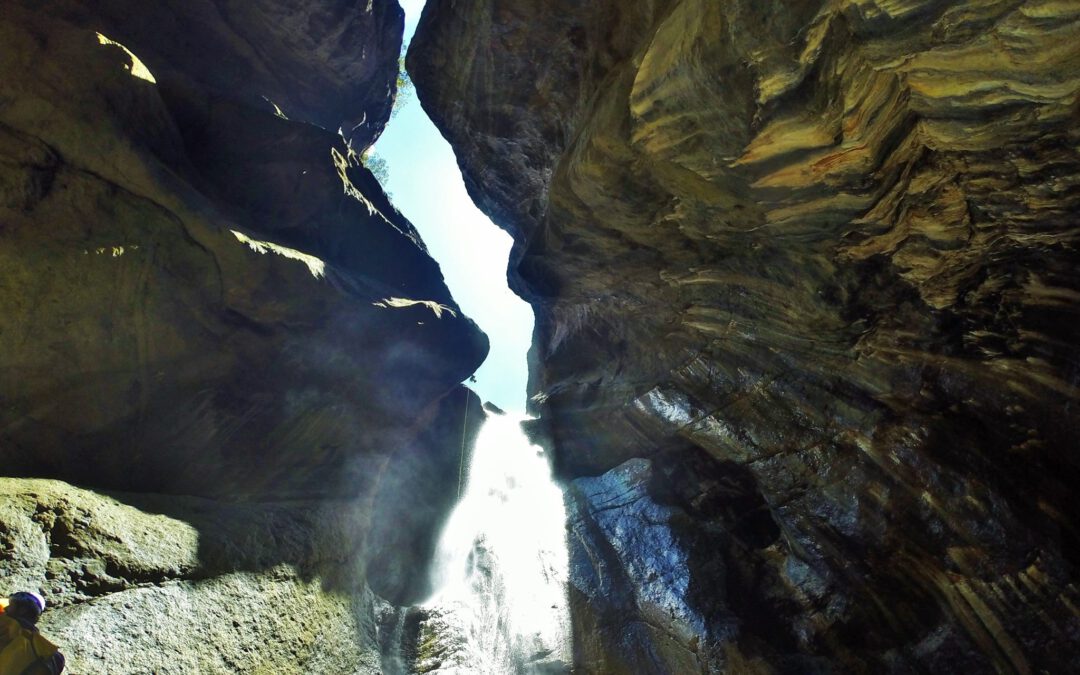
150 340
142 584
806 303
416 493
205 294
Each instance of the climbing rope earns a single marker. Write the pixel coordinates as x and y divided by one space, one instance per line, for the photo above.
461 459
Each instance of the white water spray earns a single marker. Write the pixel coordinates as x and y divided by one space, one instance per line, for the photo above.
500 607
500 574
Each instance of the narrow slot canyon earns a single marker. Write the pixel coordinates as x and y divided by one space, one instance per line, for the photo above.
538 337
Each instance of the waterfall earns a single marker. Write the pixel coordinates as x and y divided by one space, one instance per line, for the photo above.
500 571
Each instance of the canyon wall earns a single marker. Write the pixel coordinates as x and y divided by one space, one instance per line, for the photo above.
806 294
216 325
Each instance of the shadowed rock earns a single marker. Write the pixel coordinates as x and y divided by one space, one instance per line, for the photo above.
156 343
205 293
832 246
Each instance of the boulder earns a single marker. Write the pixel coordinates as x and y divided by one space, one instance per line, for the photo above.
139 584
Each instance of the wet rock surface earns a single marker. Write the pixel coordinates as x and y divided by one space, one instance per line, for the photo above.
824 252
629 577
417 491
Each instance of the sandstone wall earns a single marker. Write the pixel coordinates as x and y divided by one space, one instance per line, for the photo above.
210 311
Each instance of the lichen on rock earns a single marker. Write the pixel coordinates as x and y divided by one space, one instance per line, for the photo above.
154 588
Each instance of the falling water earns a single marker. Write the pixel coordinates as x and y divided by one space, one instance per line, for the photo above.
500 606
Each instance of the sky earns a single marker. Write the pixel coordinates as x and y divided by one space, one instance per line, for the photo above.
427 188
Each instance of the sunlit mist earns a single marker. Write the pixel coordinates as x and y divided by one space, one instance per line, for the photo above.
501 564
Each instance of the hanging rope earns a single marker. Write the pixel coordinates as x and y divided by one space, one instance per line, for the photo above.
461 460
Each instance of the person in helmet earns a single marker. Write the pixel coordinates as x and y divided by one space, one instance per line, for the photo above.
22 648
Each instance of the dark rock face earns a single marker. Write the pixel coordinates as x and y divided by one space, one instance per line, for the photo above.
417 491
820 252
199 294
331 63
629 574
205 293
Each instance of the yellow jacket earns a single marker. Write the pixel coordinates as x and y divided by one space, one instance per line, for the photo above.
23 651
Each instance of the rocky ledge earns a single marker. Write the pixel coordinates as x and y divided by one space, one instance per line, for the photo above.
806 293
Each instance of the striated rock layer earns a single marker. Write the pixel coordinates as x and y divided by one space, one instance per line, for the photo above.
210 309
807 320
